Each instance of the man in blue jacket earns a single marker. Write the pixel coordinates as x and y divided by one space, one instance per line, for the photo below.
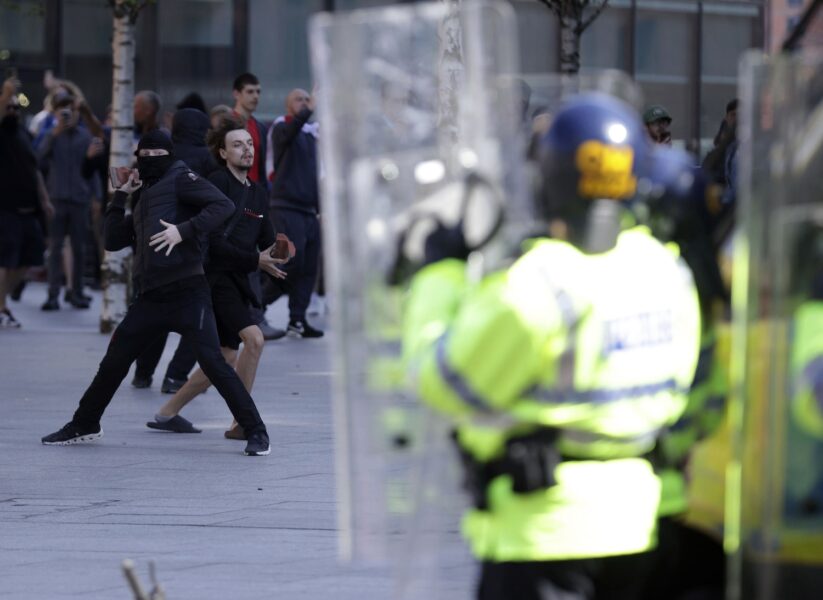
66 155
176 208
295 208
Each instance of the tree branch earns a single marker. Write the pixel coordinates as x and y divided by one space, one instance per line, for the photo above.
552 5
585 24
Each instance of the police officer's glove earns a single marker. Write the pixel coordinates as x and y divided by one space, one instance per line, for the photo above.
445 242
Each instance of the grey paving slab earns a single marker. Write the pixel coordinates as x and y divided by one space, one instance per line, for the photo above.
217 523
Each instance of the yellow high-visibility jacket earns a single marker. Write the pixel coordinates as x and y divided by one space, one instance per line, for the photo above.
704 413
602 347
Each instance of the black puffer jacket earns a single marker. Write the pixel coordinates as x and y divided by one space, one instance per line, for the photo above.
188 132
180 197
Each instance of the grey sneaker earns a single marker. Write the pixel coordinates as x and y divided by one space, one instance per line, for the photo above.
271 333
258 445
72 434
170 386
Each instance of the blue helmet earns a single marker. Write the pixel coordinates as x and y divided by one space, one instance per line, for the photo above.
669 172
673 188
595 149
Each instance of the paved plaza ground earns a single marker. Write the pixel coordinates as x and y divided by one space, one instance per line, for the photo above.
218 524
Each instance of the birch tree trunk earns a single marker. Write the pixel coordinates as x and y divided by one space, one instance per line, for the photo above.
115 268
574 17
451 72
570 40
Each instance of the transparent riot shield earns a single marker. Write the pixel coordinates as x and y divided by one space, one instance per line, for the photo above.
419 113
774 518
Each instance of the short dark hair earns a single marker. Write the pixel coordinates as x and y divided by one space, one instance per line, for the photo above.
243 80
216 138
153 98
732 105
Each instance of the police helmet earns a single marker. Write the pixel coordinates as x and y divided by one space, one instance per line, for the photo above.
672 194
595 149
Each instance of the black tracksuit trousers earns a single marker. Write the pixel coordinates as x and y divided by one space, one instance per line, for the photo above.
188 311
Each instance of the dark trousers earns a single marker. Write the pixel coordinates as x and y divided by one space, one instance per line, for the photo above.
181 363
258 314
688 564
607 578
304 230
189 313
72 220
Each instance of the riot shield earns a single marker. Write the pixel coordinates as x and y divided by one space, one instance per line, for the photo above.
420 123
774 492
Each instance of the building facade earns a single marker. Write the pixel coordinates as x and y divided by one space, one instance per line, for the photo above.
682 53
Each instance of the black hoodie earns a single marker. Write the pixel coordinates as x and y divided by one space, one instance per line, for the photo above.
18 168
188 132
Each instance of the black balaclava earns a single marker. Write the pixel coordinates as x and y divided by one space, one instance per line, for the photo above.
152 168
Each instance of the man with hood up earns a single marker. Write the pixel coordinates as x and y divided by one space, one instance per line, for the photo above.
175 209
188 132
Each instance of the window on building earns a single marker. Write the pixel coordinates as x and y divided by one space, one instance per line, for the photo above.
22 27
665 68
728 31
86 36
605 44
279 50
196 50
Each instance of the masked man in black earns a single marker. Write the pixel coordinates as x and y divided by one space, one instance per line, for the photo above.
241 247
174 210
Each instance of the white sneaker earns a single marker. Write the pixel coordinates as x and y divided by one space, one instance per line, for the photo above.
7 320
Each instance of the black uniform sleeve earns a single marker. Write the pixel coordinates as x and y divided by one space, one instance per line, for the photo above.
214 206
118 229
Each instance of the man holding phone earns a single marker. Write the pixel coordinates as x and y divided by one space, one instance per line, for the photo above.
66 156
173 212
246 242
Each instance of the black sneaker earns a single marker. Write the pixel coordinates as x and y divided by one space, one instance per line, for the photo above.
303 330
79 301
51 304
141 381
258 445
17 292
72 434
170 386
69 294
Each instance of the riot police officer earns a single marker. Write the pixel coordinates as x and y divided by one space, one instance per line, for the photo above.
560 371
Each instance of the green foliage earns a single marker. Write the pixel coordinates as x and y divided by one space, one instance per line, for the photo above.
129 8
33 8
